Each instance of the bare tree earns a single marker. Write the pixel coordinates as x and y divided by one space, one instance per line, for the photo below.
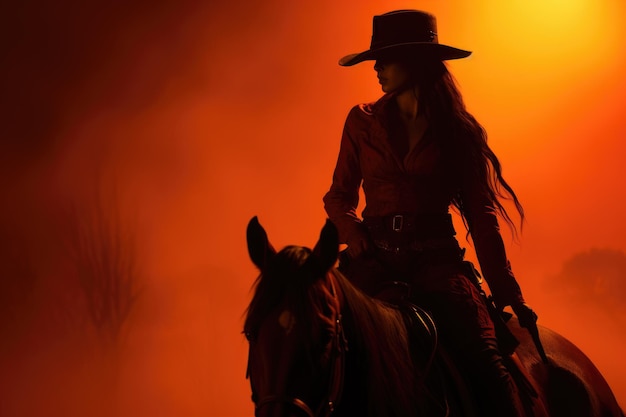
104 255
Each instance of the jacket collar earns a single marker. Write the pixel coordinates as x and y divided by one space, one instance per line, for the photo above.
377 108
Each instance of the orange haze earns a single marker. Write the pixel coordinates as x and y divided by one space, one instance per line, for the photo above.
198 117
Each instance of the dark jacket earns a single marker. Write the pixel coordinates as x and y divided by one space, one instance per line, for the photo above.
423 182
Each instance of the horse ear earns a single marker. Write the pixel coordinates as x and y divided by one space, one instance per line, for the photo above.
259 246
326 250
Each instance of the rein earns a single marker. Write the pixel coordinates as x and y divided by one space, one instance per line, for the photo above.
335 385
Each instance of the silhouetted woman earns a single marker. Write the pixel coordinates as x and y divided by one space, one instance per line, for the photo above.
416 152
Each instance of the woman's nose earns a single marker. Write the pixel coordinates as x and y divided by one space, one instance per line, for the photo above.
379 66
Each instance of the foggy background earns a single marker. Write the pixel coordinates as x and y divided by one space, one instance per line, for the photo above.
138 139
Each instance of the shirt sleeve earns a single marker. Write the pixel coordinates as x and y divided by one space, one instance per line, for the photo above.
480 213
341 201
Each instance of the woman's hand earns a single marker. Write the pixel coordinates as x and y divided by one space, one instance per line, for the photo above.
525 315
359 245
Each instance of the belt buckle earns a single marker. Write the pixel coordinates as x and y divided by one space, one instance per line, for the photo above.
397 222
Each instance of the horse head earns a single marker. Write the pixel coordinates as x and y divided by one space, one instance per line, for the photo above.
294 329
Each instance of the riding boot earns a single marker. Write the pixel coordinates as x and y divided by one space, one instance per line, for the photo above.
499 396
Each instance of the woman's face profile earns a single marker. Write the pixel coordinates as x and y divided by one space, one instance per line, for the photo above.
392 75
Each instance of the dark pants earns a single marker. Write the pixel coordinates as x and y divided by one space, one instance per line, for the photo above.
438 281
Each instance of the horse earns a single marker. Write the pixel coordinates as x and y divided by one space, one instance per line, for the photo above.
318 346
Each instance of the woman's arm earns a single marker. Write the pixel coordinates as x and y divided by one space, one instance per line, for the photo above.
341 201
480 214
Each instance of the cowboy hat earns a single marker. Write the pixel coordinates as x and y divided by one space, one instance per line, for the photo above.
407 32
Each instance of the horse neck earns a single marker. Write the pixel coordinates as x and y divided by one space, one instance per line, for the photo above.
380 363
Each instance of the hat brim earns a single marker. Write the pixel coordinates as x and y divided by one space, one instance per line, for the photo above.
428 50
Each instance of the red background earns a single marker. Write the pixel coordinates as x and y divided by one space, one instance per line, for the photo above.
201 116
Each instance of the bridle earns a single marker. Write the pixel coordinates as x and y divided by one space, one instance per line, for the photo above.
336 379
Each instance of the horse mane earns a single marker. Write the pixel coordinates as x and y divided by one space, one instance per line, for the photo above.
379 335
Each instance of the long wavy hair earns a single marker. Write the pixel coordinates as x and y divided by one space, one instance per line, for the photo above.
462 138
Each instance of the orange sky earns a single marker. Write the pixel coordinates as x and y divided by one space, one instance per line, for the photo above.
204 116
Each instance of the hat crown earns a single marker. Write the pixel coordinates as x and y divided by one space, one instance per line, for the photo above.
403 26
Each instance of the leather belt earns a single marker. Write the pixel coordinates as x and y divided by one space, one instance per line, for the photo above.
424 226
407 233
